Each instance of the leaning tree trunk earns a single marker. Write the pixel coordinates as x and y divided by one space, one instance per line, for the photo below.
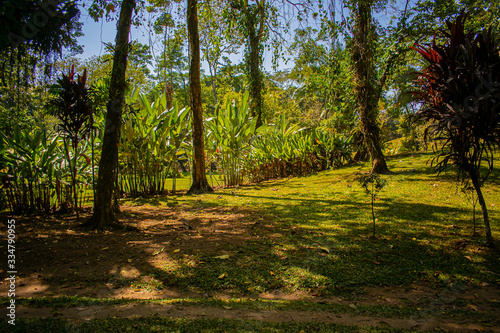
477 186
103 203
367 92
200 182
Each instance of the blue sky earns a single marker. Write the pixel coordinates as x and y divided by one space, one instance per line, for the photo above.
95 33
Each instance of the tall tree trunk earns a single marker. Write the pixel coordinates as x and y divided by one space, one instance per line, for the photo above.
200 183
367 92
103 209
254 59
477 186
255 75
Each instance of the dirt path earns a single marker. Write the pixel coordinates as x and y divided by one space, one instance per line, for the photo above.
192 312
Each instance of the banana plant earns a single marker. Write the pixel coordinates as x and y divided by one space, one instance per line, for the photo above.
177 135
332 149
229 136
282 151
272 149
153 138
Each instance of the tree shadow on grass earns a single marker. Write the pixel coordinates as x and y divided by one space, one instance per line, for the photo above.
281 245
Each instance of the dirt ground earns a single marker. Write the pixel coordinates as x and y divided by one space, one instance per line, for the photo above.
54 258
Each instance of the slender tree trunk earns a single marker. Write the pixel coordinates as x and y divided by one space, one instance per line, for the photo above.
174 177
103 204
213 73
474 202
200 183
73 171
477 186
367 91
168 89
72 167
165 60
93 162
373 210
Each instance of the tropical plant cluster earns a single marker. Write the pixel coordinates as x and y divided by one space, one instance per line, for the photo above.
153 138
36 175
42 169
293 151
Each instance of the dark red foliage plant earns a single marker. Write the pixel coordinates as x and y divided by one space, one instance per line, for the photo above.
459 92
72 105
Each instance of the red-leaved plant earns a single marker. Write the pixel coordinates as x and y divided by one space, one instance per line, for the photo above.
460 94
72 105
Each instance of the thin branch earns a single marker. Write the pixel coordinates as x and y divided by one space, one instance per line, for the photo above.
296 5
396 54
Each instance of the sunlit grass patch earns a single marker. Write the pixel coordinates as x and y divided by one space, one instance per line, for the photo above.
299 278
